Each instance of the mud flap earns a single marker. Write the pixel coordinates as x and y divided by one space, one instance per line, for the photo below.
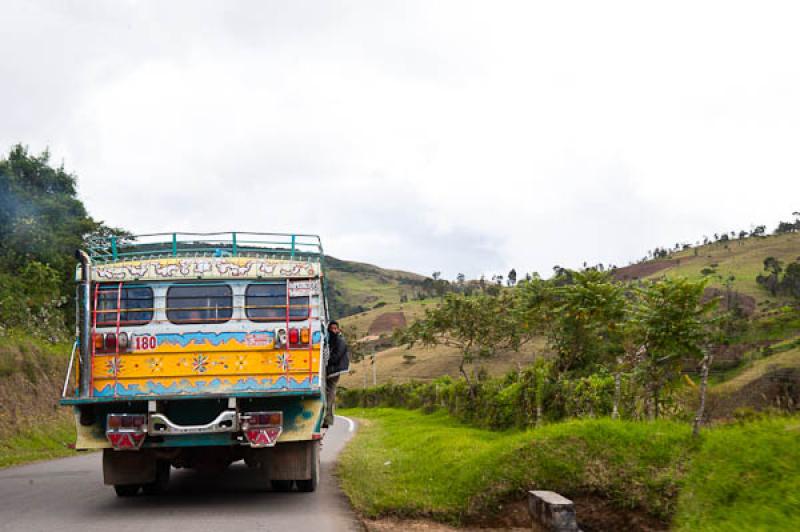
286 461
128 467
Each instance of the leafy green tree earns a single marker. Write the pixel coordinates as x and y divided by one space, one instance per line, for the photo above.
582 321
477 326
667 322
42 222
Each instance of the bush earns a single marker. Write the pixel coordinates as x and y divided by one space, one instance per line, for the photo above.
501 403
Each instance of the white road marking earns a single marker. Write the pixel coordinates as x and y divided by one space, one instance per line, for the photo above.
350 422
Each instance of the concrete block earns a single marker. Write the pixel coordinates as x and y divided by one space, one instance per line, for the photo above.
551 512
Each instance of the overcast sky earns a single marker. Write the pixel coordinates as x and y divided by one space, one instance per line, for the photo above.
452 136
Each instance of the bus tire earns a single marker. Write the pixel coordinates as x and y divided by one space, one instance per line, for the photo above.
281 485
126 490
310 484
159 485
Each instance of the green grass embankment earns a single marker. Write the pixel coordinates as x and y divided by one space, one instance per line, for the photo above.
50 441
32 424
409 464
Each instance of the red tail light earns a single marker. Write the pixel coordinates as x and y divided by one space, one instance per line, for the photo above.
262 429
294 336
126 431
111 342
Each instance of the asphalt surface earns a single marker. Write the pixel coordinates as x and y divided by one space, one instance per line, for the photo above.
68 494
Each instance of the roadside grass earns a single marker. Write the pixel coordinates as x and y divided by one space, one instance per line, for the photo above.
746 476
410 464
38 444
734 477
31 375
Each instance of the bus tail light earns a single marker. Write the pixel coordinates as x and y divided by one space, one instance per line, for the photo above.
299 336
123 341
126 432
262 429
111 342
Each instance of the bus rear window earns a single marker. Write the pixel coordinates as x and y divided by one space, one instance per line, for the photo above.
135 305
199 303
267 302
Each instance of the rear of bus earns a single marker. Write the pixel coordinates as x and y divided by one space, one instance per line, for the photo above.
196 352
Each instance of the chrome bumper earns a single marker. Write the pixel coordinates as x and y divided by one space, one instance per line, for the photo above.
160 424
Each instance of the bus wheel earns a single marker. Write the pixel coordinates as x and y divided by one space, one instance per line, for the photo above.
281 485
310 484
159 485
126 490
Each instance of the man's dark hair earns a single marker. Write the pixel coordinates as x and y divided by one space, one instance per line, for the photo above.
334 323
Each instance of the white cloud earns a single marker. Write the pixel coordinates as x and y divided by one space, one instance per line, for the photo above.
446 136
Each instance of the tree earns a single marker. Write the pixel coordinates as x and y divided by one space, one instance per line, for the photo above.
477 326
460 279
666 323
771 281
512 277
790 284
41 219
436 275
786 227
582 318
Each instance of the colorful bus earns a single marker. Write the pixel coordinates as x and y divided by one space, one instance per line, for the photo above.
199 350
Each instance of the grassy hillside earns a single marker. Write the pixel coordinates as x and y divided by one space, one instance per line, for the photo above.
742 259
32 424
370 321
355 287
429 363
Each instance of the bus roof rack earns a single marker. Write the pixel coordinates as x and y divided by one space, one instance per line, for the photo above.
290 246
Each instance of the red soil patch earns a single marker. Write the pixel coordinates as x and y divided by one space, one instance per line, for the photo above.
387 323
645 269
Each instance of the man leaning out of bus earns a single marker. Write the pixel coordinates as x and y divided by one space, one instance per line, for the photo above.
338 363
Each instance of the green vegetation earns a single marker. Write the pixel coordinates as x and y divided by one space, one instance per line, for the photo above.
42 223
32 424
742 476
745 476
42 443
599 333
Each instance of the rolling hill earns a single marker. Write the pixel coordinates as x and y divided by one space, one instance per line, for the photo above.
355 287
735 261
742 260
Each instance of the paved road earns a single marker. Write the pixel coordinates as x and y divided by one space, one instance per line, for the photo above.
68 494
